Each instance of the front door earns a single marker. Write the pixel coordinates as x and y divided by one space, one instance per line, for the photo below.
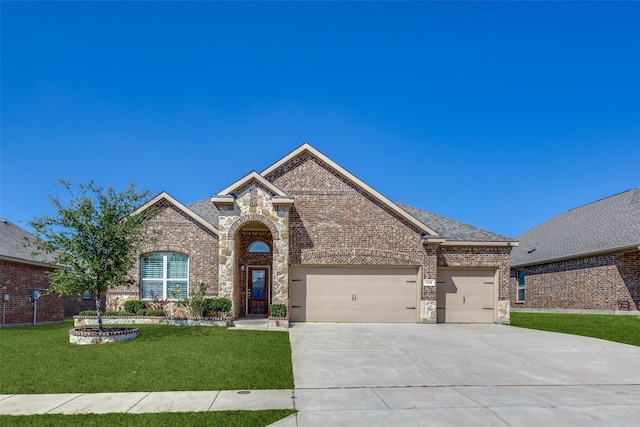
258 290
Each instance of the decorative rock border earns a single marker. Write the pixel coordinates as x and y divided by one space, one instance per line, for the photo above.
151 320
95 336
278 322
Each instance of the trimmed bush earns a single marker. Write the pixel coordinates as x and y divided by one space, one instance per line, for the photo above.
118 313
150 312
278 310
88 313
217 305
134 306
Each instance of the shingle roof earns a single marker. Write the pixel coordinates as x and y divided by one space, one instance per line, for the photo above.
609 224
452 229
15 246
207 210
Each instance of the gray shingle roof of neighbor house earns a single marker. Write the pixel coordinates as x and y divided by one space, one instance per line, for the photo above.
453 230
15 246
606 225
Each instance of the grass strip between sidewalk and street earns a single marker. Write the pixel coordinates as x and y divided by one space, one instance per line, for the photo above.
619 328
167 419
40 359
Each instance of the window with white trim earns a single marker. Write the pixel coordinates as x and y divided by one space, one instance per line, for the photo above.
164 275
520 287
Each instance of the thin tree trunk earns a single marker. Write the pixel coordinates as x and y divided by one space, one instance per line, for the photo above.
99 311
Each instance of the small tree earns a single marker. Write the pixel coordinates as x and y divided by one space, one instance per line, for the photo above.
94 237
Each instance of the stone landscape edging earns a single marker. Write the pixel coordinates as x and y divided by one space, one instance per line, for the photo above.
80 321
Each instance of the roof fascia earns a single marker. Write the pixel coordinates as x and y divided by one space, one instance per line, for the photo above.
246 179
26 261
631 248
478 243
181 207
357 181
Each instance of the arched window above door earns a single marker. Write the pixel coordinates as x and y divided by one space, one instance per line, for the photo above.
259 247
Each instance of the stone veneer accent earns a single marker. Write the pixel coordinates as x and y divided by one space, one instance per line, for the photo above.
252 205
603 282
84 336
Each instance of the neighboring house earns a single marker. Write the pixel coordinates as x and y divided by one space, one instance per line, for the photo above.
307 233
20 274
587 258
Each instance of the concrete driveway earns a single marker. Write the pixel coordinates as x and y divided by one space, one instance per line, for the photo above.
377 374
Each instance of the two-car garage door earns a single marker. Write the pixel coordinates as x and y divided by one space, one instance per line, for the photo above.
354 294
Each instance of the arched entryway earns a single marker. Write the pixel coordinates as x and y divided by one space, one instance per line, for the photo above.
253 286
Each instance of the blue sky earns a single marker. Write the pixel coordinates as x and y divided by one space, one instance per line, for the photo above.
500 115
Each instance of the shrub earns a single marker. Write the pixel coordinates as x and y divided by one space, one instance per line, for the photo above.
88 313
150 312
217 305
134 306
278 310
118 313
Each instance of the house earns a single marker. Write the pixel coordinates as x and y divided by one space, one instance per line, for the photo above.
22 273
307 233
587 258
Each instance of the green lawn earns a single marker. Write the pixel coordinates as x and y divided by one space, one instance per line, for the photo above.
40 359
618 328
222 418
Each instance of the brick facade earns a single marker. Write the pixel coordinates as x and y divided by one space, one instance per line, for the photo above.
324 219
603 282
18 280
171 230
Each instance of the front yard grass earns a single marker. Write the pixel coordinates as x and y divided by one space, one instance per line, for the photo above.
222 418
40 359
618 328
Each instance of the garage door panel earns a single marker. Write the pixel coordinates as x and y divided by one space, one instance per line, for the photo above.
466 296
354 294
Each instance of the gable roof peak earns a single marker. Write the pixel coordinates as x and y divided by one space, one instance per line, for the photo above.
306 147
164 196
252 176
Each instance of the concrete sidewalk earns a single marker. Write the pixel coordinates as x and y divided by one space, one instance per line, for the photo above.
571 405
141 402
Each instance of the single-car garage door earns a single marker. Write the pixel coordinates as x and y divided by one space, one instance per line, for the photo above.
353 294
466 296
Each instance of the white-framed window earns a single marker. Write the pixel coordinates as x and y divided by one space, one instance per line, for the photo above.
164 275
520 287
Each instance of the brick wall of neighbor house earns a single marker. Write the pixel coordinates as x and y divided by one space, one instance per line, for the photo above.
175 232
605 282
18 281
76 303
